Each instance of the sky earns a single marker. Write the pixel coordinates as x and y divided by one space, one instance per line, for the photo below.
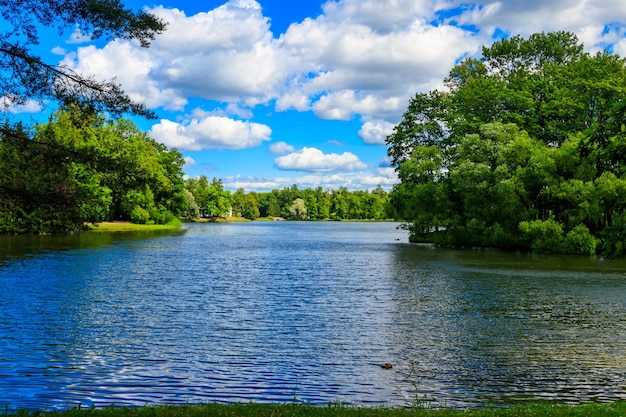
268 93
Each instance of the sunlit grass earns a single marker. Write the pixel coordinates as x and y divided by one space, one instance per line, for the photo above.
332 410
131 227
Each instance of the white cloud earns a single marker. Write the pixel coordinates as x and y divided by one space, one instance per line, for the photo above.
225 54
312 159
281 148
293 100
131 66
620 48
211 132
355 64
360 57
249 183
526 17
189 162
78 37
57 50
9 105
375 133
381 16
386 178
344 105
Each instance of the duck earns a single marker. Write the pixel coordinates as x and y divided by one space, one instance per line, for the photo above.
386 366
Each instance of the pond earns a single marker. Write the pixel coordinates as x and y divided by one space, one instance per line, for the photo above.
305 312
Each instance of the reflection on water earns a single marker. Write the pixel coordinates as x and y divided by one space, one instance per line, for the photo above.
508 327
306 311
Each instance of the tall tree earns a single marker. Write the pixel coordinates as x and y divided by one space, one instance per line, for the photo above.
26 76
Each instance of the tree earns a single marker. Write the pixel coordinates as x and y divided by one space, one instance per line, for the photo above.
298 209
250 209
526 150
26 76
81 168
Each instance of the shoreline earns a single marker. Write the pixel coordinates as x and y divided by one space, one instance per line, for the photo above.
129 227
332 410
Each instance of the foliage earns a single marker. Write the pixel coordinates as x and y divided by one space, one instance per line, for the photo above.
211 198
298 209
525 150
80 168
26 76
290 203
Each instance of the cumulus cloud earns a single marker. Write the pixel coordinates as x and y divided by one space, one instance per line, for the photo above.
7 104
531 16
312 159
357 65
359 59
620 47
345 104
211 132
333 181
132 67
362 57
259 184
375 133
226 54
57 50
295 100
78 37
189 162
281 148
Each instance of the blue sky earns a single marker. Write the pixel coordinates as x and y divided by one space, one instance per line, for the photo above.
269 93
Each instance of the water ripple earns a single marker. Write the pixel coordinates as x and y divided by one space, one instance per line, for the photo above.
280 312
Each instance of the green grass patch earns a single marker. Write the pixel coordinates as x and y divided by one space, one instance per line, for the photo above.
332 410
219 220
131 227
233 219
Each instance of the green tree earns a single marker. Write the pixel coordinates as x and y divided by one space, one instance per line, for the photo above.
269 205
323 203
526 149
250 208
80 167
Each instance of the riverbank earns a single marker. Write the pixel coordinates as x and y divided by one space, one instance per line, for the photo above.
131 227
332 410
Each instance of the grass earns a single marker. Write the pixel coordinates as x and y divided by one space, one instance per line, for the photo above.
131 227
332 410
233 219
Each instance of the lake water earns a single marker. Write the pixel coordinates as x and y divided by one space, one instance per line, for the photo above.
306 312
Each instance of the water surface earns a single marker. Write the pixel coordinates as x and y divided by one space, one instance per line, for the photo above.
302 312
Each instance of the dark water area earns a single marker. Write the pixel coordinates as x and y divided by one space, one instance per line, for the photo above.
305 312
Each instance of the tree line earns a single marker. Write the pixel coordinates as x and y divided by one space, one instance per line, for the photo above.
210 200
526 149
81 167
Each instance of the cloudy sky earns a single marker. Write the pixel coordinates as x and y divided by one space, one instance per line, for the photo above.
269 93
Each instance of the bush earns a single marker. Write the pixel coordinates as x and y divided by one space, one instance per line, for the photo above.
580 241
139 215
543 236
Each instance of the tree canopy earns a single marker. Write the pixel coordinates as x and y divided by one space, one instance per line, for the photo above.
26 76
525 149
80 167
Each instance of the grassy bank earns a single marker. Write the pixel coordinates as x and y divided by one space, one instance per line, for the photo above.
131 227
233 219
294 410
